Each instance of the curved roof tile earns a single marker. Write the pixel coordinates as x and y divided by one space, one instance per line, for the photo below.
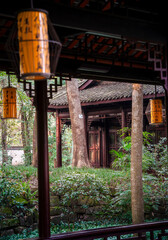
102 91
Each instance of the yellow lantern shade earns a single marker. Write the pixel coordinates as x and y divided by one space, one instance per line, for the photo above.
9 102
33 44
156 111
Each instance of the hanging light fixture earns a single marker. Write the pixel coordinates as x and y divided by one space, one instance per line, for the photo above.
9 102
37 43
154 111
33 44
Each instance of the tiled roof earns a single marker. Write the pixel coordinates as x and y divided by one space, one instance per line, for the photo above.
102 91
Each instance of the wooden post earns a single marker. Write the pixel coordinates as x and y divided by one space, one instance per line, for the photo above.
123 118
43 164
123 121
104 144
137 203
86 133
166 96
166 102
58 140
166 111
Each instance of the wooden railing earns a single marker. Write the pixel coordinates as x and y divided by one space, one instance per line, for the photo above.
146 231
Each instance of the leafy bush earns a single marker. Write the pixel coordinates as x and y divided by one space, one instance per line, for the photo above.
108 175
14 192
155 177
154 157
122 203
83 190
18 172
62 228
88 186
81 185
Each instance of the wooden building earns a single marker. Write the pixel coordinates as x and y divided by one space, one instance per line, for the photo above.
106 108
124 41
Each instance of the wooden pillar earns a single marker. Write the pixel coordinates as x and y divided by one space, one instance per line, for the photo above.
166 113
58 140
123 118
86 133
43 163
166 95
166 108
123 121
104 143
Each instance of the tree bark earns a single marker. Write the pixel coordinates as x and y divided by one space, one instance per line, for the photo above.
136 155
4 141
4 135
25 137
35 159
80 156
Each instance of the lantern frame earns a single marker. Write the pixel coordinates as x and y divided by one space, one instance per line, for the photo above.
32 25
11 105
148 113
55 46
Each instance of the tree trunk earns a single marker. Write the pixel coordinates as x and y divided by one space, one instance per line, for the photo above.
25 138
136 155
80 156
4 135
4 141
58 160
35 160
23 130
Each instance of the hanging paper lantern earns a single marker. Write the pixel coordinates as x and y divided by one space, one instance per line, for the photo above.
156 111
33 44
9 102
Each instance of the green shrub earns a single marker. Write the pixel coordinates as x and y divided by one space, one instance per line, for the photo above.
88 186
15 191
122 203
15 194
154 156
83 190
18 172
62 228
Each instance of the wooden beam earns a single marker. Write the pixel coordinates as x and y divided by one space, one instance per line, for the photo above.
107 6
103 111
99 22
105 23
68 64
84 3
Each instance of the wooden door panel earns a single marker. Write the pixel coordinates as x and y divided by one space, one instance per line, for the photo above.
94 148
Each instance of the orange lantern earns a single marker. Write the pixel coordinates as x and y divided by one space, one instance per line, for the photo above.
9 102
156 111
33 44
